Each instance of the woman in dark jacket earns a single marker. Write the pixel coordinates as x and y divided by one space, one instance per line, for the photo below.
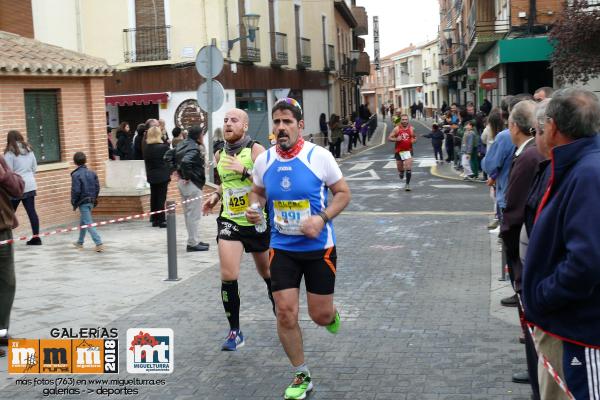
138 142
124 142
337 136
158 174
323 128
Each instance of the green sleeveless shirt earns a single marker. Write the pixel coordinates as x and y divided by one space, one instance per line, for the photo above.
235 189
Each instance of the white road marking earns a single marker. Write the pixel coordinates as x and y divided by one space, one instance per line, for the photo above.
367 175
425 163
421 162
361 165
453 186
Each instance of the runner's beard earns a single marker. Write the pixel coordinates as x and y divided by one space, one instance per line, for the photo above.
232 136
287 145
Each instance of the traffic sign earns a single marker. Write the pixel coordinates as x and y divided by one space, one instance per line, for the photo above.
209 61
218 96
489 80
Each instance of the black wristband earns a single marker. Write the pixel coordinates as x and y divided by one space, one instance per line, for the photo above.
323 215
245 174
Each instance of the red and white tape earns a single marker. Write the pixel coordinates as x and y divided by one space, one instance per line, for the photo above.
549 368
101 223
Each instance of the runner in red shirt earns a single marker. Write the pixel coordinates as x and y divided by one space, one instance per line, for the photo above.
404 136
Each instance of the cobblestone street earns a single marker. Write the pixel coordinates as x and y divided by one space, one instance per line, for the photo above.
413 290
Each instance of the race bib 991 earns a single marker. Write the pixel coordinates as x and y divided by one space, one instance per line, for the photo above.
289 214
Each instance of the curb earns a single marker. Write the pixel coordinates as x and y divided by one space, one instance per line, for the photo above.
367 148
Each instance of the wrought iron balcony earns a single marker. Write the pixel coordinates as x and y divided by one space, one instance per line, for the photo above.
363 64
362 20
458 6
147 43
303 53
279 53
483 26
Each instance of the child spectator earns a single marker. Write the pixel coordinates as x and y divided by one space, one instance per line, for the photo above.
468 144
437 139
348 131
177 137
84 195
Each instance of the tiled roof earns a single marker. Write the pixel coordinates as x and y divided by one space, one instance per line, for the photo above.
23 56
404 50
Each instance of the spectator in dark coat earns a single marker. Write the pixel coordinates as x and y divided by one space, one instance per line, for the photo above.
372 125
486 107
158 174
11 186
413 110
523 170
444 108
85 189
337 135
561 275
138 142
323 128
124 142
112 152
437 139
177 136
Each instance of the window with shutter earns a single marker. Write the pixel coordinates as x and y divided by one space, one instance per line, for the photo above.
41 113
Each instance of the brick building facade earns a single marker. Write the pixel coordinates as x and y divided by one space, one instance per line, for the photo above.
73 85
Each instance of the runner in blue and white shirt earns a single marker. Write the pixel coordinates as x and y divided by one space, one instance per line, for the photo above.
292 179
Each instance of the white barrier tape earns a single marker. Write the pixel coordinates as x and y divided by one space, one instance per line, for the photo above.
101 223
546 363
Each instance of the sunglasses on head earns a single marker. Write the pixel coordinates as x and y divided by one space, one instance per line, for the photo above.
290 101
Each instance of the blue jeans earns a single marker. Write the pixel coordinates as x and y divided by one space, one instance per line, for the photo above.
85 212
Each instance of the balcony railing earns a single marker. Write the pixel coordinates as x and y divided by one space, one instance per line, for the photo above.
329 52
345 67
483 25
249 51
151 43
304 59
279 53
363 64
362 20
458 57
458 6
449 19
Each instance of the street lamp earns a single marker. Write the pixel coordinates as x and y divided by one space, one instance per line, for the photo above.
448 35
354 56
250 22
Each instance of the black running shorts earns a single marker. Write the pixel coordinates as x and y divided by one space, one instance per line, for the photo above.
252 241
318 268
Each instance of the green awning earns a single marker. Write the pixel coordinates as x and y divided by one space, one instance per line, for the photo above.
524 49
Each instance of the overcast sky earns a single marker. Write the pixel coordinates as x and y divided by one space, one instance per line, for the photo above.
401 22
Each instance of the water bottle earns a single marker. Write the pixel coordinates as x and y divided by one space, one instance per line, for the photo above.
262 225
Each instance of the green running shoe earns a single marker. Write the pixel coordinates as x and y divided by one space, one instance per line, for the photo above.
301 385
334 327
